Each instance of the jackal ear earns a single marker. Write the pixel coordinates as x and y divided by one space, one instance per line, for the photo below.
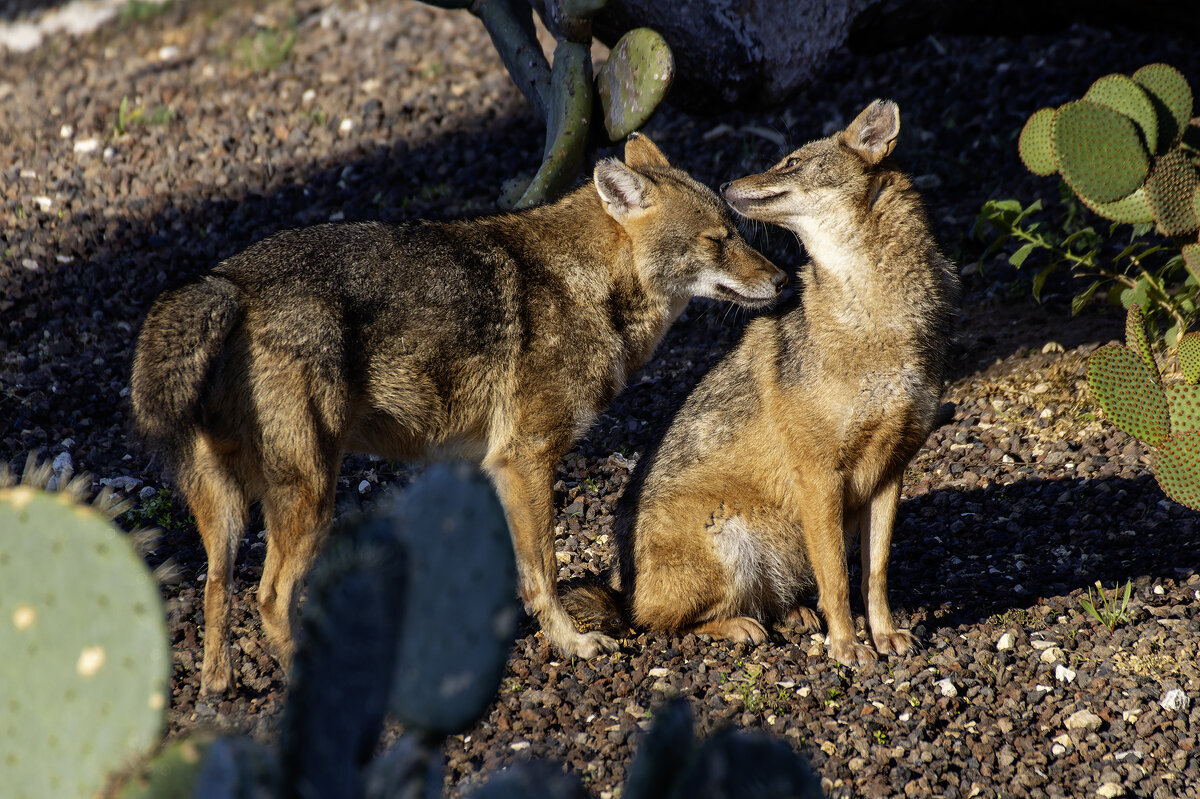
623 191
873 132
641 152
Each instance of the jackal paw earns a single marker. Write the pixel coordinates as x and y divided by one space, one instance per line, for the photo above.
740 629
216 675
586 645
895 642
804 619
852 653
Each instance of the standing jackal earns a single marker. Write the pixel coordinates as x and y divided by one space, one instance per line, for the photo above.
498 339
798 438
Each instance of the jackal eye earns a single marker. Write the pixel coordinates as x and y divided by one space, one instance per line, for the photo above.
718 236
791 163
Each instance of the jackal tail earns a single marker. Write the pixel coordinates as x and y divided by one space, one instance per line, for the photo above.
179 348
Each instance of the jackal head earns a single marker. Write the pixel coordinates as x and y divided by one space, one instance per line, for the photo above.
825 179
684 240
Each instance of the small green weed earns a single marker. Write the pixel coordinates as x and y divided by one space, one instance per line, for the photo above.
1108 614
265 49
127 117
159 511
880 736
141 10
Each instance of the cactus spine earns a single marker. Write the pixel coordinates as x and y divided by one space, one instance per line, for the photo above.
1129 387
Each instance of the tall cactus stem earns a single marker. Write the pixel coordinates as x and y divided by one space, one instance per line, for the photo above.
566 124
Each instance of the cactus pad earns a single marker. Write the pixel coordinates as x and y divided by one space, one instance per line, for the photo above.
568 116
1189 357
1172 98
83 677
1178 468
1184 403
1036 143
1132 210
1191 251
460 612
1171 188
1123 95
1129 396
634 80
1135 339
171 773
1100 152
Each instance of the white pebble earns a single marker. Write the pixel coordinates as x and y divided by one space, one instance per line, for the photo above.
63 463
347 125
1063 674
168 53
1052 655
364 486
1111 790
29 264
87 146
946 687
1083 720
43 202
1007 641
519 746
1175 699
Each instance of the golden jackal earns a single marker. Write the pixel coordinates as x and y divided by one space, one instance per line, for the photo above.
798 438
499 339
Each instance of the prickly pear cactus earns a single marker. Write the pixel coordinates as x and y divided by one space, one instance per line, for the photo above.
342 676
460 609
85 664
1119 149
1133 396
634 80
746 765
171 774
663 754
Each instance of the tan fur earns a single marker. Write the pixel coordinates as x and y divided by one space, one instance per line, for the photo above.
798 438
497 339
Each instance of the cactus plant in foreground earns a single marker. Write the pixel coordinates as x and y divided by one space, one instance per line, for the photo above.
1165 415
84 674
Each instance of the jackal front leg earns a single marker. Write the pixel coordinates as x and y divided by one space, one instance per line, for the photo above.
524 479
875 531
821 519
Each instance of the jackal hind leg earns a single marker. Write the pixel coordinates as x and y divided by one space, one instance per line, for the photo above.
524 479
220 506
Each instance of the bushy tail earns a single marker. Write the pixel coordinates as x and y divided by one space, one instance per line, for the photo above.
180 341
595 604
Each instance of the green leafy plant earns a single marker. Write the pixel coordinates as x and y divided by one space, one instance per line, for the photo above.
1130 389
1128 152
1110 614
141 10
624 93
128 117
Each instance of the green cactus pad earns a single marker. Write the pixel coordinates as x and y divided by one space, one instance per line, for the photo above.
1171 187
1177 468
663 754
1129 396
460 612
85 664
634 80
1132 210
747 764
1191 255
568 116
171 773
1123 95
1135 339
1184 403
1172 98
1036 143
1188 353
1100 152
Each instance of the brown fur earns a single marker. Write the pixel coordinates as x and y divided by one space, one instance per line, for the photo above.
798 438
497 339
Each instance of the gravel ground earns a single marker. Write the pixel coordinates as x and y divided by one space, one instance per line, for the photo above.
395 110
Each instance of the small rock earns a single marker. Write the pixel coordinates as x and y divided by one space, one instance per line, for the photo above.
1051 655
1007 641
1110 790
1083 720
63 463
1063 674
946 687
1175 699
364 486
83 146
